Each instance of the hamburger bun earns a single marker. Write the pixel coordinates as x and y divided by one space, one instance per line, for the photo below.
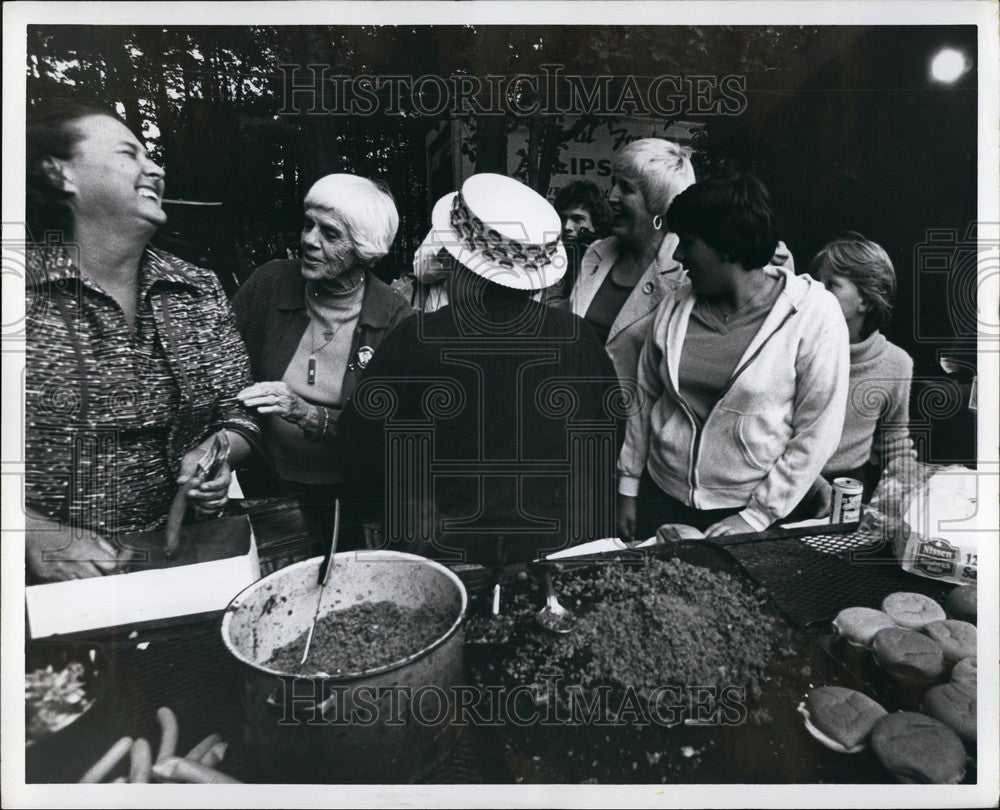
954 704
956 639
912 610
961 603
919 749
908 655
841 719
858 625
965 671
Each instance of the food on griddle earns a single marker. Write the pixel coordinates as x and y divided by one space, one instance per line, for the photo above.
169 732
840 718
965 671
908 655
954 704
140 762
54 699
961 603
661 651
177 769
198 766
363 637
107 763
957 639
912 610
640 628
916 748
858 625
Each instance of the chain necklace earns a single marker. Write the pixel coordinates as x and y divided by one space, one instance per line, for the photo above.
329 335
728 316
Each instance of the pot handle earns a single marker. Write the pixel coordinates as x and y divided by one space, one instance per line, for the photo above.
326 704
274 706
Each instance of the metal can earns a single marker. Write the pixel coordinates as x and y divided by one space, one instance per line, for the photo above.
846 500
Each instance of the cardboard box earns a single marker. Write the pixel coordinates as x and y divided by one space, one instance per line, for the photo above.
203 578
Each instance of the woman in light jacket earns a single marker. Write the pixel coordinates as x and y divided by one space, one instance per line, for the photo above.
623 278
742 378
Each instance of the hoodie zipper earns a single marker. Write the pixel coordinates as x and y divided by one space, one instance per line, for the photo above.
699 429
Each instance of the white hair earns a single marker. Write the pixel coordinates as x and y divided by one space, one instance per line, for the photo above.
367 209
662 169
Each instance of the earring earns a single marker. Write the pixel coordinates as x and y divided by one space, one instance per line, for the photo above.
53 173
658 223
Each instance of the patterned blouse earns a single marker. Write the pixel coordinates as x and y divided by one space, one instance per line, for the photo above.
110 411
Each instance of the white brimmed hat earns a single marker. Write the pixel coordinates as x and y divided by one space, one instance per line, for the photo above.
501 230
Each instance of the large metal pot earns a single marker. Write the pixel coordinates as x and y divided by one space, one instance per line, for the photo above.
383 725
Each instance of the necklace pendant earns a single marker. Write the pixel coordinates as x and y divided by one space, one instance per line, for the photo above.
311 371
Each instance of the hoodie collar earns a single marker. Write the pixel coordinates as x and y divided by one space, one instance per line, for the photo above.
793 291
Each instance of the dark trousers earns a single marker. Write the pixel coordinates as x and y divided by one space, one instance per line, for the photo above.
654 507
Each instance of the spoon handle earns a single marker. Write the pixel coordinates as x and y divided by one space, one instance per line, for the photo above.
325 568
327 565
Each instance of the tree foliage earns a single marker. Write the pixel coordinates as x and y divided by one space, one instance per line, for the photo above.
210 102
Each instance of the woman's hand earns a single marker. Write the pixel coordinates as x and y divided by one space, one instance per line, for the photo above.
821 496
208 497
55 552
277 398
626 518
733 524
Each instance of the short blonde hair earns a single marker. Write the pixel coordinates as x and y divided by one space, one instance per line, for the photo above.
366 207
662 169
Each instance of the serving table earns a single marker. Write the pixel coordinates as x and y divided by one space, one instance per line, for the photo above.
809 576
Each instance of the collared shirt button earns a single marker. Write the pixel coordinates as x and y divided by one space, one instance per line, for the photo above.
647 287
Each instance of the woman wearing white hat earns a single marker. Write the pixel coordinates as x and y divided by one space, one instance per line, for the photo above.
484 416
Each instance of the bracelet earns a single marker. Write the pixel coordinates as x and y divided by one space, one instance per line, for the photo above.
326 421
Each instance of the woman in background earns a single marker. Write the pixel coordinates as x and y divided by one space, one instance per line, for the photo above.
585 217
860 275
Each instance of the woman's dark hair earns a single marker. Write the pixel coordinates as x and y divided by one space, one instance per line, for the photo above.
51 133
732 215
586 195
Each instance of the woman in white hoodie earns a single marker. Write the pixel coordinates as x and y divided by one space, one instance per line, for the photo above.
742 379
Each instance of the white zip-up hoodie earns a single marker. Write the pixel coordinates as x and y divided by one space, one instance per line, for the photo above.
774 426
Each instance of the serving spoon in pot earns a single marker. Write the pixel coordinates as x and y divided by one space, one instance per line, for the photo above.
324 576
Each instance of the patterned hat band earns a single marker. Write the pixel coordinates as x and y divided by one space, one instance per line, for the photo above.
494 247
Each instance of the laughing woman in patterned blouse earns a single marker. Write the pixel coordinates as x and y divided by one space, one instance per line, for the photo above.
133 359
311 326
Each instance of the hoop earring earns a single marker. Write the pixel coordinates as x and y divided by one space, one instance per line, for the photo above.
658 223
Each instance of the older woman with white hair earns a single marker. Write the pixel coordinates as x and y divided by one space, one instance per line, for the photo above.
624 277
311 325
